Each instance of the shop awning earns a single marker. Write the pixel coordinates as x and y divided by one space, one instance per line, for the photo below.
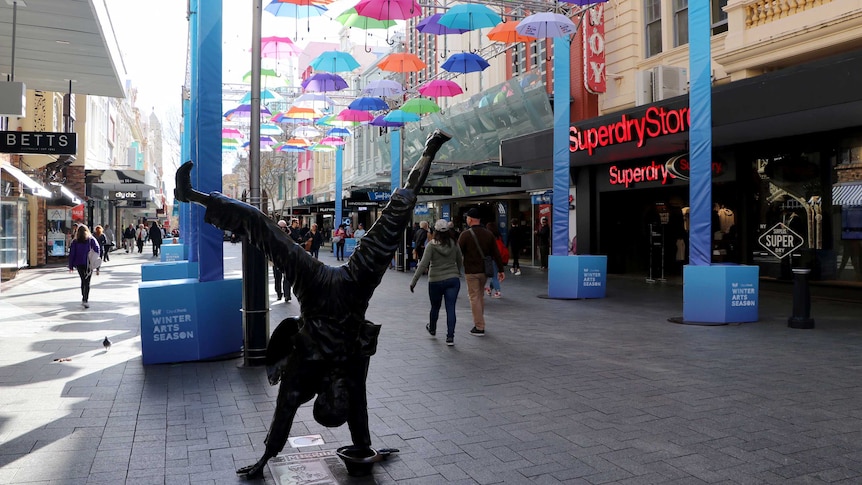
847 194
31 186
63 196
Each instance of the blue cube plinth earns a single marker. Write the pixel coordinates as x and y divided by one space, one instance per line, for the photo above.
173 270
582 276
173 252
185 320
349 246
720 294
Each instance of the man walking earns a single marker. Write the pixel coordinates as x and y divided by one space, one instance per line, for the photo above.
282 286
476 243
516 245
129 238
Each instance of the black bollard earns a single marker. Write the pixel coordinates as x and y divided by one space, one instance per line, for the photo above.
801 317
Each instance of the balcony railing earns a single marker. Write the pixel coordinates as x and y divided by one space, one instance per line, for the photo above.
762 12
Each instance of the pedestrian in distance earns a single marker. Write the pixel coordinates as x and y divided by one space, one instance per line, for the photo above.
476 243
338 239
420 239
110 241
282 287
129 238
444 262
543 240
516 243
316 237
99 235
156 238
140 237
494 290
79 258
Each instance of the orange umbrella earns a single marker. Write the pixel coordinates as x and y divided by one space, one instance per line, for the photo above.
297 142
402 62
505 32
302 113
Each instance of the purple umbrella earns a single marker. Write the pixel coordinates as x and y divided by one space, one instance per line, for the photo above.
381 121
324 82
431 25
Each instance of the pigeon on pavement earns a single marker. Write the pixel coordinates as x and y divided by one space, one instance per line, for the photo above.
106 343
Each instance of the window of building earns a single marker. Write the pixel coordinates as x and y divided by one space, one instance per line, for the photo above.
719 16
652 12
680 22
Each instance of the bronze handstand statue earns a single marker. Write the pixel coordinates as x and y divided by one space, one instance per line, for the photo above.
326 350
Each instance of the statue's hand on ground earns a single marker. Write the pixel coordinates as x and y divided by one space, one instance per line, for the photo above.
184 192
253 471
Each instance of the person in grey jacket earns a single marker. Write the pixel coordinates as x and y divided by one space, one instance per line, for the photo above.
443 259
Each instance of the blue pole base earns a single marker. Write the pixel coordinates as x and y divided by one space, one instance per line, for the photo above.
719 294
576 277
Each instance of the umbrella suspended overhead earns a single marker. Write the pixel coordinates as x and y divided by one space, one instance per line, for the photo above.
383 88
332 140
243 112
290 148
465 62
297 142
270 129
420 106
389 9
340 132
401 62
470 16
506 33
284 9
302 113
278 48
313 100
354 115
267 76
399 116
230 142
324 82
546 25
325 120
266 96
349 18
431 25
322 148
231 133
381 122
334 61
440 88
306 132
368 103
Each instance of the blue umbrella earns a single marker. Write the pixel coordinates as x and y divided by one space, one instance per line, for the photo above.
399 116
368 103
341 132
465 62
282 9
265 97
323 82
381 121
334 61
469 16
288 148
431 25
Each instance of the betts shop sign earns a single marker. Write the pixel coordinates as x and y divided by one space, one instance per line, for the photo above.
657 121
33 142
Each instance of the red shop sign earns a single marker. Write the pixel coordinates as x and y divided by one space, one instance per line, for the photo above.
594 50
78 213
657 121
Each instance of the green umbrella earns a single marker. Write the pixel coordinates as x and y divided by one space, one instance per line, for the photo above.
349 18
420 106
267 76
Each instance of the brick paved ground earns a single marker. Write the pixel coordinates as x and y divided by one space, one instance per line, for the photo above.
580 392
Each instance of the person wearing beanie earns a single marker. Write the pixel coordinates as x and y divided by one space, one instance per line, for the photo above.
444 262
476 244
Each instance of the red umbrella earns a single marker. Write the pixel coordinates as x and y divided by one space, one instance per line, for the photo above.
389 9
440 88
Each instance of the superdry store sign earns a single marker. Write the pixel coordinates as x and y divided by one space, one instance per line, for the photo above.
656 122
657 172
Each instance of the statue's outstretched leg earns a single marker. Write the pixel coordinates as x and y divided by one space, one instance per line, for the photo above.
184 192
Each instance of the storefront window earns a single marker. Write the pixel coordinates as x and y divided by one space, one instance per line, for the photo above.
847 210
13 233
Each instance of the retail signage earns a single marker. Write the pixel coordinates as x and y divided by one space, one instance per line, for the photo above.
679 166
372 196
657 121
41 142
780 240
675 168
78 213
492 180
594 50
125 195
434 190
361 203
545 198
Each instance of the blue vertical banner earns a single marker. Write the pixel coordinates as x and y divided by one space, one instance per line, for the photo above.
700 134
195 213
562 94
395 159
209 130
339 182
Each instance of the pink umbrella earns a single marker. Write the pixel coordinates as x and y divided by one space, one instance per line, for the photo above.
440 88
332 140
278 47
355 115
231 133
389 9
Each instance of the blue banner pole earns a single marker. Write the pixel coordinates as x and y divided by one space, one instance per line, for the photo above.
339 182
700 135
562 94
195 213
395 159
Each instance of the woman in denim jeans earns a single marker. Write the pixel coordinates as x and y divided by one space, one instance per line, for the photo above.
443 259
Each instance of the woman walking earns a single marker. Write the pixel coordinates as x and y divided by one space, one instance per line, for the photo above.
79 253
316 238
338 237
102 239
444 262
155 238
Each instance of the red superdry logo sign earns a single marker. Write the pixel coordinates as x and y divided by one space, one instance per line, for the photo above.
594 50
655 122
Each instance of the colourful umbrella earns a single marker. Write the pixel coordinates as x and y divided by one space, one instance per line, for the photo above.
349 18
420 106
289 148
267 76
270 129
266 96
278 47
401 62
322 148
431 25
297 142
469 16
381 122
334 61
230 142
389 9
340 132
465 62
546 25
332 140
325 120
302 113
368 103
231 133
306 132
383 88
440 88
243 112
354 115
283 9
313 100
324 82
399 116
505 32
